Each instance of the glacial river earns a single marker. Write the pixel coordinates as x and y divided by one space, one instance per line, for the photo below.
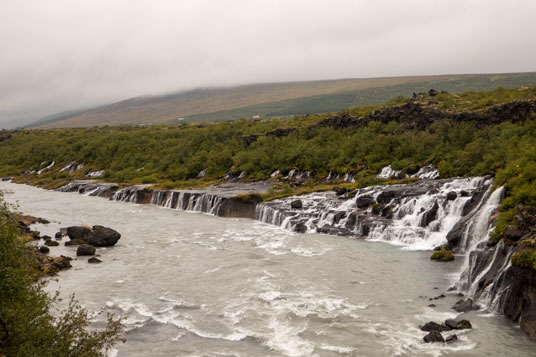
190 284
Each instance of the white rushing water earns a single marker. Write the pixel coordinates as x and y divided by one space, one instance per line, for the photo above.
191 284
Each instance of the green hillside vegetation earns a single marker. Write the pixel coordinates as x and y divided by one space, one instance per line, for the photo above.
274 99
172 156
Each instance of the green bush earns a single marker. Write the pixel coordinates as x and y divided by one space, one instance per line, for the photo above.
27 325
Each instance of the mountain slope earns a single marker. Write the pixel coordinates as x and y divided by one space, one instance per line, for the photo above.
273 99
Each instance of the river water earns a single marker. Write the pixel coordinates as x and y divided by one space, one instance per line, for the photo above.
191 284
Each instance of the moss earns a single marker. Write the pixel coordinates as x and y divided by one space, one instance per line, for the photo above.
525 258
249 198
442 255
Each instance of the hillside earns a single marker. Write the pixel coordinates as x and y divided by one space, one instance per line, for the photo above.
274 99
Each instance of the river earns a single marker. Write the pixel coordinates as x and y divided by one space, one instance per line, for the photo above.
191 284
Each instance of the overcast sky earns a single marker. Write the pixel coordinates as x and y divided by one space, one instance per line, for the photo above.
59 55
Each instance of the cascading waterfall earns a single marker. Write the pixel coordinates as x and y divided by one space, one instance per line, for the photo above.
418 215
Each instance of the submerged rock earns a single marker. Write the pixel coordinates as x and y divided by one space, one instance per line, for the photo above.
85 249
463 305
94 260
44 249
51 243
452 338
75 242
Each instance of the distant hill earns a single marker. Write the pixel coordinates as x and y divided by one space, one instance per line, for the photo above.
274 99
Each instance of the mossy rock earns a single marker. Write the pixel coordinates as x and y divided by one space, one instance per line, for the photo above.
525 258
442 255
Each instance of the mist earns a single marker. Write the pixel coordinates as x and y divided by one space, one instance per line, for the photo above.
66 54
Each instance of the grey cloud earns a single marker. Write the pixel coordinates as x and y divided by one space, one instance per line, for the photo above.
59 55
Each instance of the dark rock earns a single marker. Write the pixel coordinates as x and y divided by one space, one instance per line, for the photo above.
66 258
364 201
75 242
452 338
85 249
76 232
464 324
51 243
451 196
61 263
520 299
300 228
385 197
99 236
451 323
338 216
46 238
440 297
58 235
458 325
339 191
434 336
296 204
429 215
377 209
432 305
464 193
433 326
94 260
44 249
387 212
512 232
463 305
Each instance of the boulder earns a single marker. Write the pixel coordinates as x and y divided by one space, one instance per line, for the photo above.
433 326
85 249
104 237
451 196
296 204
463 305
99 236
364 201
300 228
434 336
429 215
46 238
94 260
58 235
76 232
44 249
51 243
458 325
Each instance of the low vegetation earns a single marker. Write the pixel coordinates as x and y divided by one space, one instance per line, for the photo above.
442 255
189 155
30 323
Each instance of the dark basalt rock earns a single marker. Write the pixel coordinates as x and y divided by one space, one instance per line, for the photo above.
51 243
99 236
300 228
434 336
94 260
364 201
451 196
44 249
458 325
512 232
58 235
429 215
463 305
85 249
46 238
385 197
520 300
433 326
296 204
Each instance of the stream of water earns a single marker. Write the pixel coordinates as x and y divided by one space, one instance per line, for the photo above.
191 284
